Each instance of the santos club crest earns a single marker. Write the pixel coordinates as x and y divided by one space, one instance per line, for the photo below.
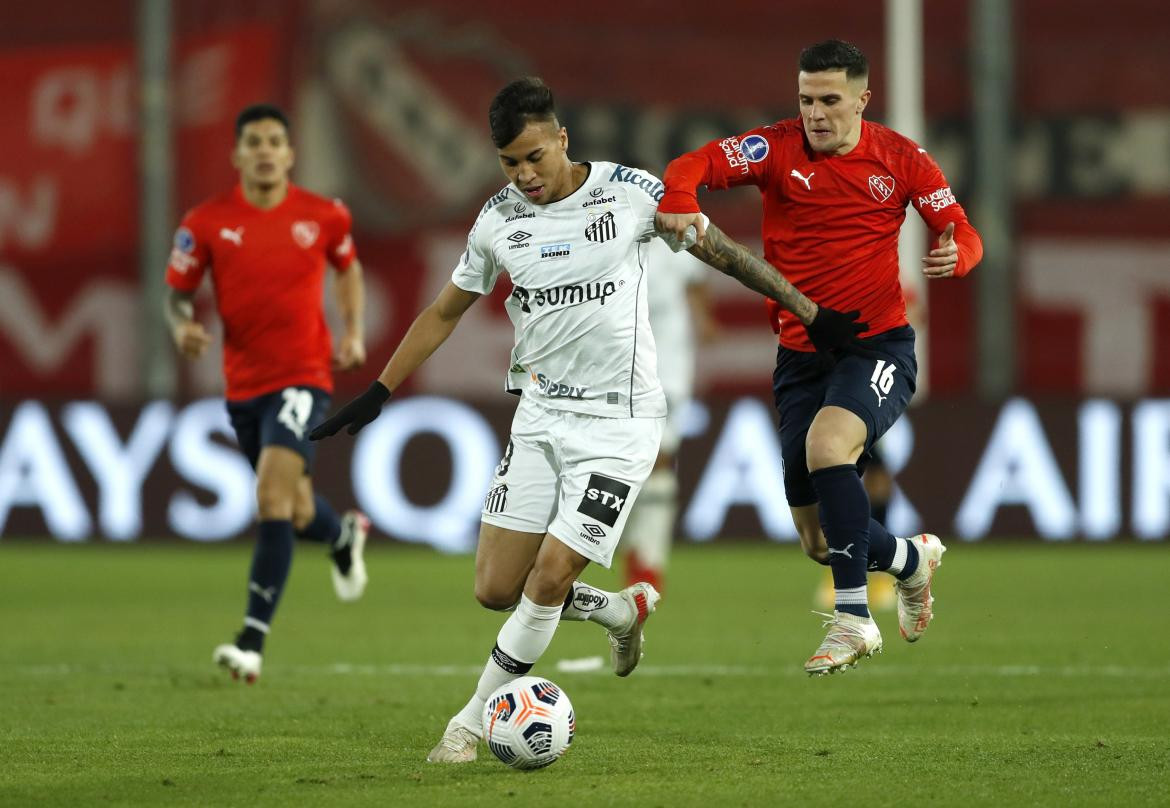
881 187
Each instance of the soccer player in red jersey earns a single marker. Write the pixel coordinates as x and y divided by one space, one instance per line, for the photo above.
835 190
265 244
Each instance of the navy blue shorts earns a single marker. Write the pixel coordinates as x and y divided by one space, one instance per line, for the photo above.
282 418
876 390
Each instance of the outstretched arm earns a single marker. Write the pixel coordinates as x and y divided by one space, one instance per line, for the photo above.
429 330
732 258
351 300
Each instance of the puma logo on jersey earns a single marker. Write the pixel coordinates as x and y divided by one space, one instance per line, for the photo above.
235 236
803 178
844 552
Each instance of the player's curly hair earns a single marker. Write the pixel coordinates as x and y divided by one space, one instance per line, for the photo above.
834 54
259 112
524 100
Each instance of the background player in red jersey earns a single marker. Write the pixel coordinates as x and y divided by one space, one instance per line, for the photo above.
266 243
835 190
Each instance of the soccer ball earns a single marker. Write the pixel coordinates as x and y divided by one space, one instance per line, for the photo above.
528 723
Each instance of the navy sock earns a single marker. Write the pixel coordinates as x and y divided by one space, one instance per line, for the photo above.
844 513
879 511
911 564
882 546
325 526
271 561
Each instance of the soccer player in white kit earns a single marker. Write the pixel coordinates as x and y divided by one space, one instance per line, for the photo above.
573 238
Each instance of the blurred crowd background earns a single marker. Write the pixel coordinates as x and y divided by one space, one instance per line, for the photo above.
1046 372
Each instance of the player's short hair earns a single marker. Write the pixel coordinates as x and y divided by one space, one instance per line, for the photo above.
834 54
514 107
259 112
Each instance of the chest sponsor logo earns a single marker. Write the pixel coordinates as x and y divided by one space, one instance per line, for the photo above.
754 148
599 200
548 251
604 499
305 233
234 235
520 211
938 200
601 228
572 294
519 239
652 187
881 188
796 175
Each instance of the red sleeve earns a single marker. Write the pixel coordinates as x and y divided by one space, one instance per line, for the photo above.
740 160
190 255
340 250
931 196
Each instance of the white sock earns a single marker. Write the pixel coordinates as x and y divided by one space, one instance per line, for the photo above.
899 562
525 636
590 603
649 529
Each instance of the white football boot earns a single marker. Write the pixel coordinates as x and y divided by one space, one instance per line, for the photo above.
915 603
458 745
237 661
625 644
850 638
348 555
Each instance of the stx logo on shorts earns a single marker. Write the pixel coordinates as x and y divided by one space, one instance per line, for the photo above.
604 499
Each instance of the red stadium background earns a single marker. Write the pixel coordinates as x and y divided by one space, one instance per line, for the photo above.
390 114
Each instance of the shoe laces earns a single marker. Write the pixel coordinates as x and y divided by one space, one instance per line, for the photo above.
846 636
458 738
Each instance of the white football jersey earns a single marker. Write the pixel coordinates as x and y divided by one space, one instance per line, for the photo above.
579 272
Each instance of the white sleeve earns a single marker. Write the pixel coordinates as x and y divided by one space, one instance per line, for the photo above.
478 269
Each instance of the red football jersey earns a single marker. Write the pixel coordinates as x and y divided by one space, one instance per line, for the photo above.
268 272
830 223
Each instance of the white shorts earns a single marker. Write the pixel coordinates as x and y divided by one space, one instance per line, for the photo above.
572 475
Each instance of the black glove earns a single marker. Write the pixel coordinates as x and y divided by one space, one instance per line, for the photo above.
357 413
832 330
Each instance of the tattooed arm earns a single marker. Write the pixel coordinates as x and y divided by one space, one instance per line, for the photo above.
732 258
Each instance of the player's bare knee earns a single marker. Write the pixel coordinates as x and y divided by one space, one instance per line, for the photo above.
272 502
817 554
495 597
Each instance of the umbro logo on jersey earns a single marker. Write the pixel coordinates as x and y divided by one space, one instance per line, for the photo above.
235 236
305 233
602 229
604 499
519 239
881 187
806 180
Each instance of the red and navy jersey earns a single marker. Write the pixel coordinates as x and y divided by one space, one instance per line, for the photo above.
268 272
830 222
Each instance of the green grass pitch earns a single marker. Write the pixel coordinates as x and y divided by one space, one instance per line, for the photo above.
1044 680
